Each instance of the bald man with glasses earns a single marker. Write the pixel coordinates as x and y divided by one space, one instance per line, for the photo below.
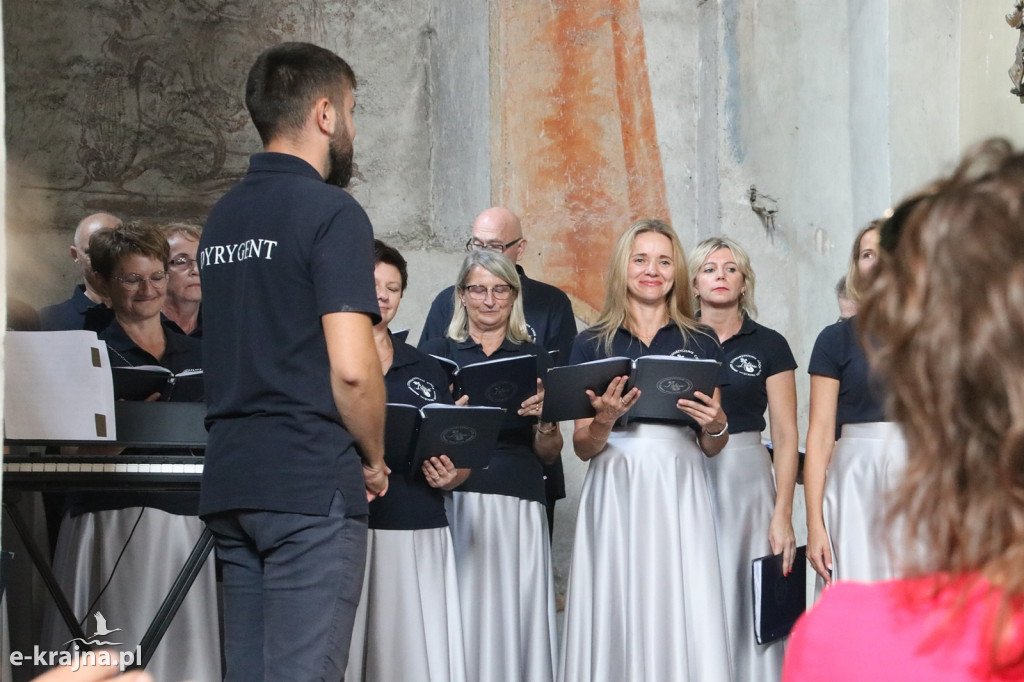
549 316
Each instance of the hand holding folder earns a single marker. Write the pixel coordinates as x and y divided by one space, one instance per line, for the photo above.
503 383
468 435
778 600
662 380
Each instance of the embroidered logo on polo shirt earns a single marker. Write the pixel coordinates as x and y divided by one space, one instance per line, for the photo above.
746 365
684 353
532 332
422 388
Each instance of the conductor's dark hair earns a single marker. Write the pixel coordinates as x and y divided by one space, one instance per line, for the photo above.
287 79
382 253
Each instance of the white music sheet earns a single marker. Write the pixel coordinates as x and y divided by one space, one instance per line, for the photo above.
57 386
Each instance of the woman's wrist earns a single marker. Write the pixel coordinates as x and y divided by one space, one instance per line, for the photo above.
547 429
601 432
721 433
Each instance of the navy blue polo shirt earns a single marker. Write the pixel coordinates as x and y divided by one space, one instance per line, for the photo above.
837 354
751 356
514 469
669 340
180 353
279 251
78 312
414 379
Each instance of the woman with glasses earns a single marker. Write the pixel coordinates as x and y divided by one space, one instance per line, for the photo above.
751 518
645 595
497 515
118 553
408 625
184 293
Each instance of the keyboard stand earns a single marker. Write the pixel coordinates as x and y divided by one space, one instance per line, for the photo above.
164 615
45 572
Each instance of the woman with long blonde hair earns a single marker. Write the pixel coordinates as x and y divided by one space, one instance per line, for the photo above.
645 597
752 519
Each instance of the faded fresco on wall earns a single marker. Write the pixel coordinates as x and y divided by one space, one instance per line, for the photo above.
593 165
144 112
136 107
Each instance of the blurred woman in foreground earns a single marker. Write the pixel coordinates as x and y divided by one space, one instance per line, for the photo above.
943 322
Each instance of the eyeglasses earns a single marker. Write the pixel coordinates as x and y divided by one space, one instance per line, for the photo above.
497 247
132 282
478 292
182 263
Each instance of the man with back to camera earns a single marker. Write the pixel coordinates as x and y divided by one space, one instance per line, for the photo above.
86 309
549 316
294 388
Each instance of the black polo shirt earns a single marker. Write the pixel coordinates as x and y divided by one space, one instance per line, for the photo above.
837 354
514 469
751 356
78 312
414 379
701 344
279 251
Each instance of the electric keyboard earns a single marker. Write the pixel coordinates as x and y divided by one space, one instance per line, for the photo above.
50 473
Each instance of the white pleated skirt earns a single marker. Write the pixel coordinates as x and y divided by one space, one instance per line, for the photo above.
89 552
743 495
506 587
644 601
408 625
867 463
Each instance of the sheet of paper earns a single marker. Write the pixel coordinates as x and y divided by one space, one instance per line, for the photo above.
57 386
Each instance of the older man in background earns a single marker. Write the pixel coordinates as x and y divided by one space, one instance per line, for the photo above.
86 309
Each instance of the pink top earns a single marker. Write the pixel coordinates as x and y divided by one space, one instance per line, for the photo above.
895 631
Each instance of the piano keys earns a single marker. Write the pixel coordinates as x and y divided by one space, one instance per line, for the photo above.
52 473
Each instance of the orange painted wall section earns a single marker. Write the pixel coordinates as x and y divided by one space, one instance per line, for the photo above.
577 155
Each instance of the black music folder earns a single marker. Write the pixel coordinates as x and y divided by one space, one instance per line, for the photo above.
503 383
778 600
138 383
468 435
662 379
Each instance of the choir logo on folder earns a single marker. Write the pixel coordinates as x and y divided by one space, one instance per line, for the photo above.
501 391
457 435
746 365
675 385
